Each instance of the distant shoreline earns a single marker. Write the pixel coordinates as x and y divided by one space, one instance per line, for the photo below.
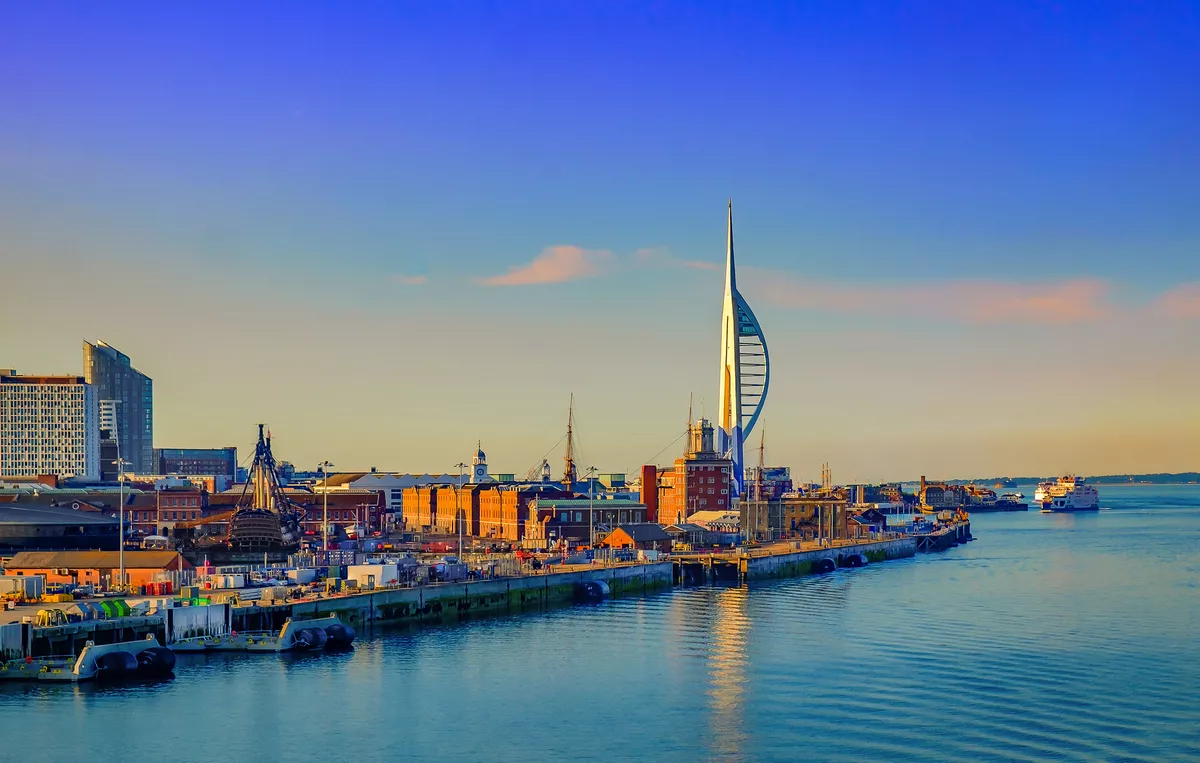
1108 480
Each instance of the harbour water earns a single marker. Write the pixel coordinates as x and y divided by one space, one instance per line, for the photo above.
1052 637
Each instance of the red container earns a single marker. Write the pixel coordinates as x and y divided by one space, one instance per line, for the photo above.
167 586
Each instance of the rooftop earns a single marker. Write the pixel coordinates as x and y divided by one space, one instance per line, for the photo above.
137 560
27 513
582 503
644 532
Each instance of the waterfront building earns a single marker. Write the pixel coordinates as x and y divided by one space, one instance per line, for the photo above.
723 527
645 536
804 516
552 519
222 462
49 425
128 395
745 370
504 510
688 534
97 568
392 486
700 481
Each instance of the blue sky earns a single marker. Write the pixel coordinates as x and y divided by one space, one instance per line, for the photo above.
224 191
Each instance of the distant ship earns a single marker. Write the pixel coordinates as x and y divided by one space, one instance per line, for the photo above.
1069 493
1012 501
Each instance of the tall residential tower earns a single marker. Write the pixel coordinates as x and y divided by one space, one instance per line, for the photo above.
48 425
745 370
127 401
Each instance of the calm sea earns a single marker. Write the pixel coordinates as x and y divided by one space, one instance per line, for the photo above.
1051 637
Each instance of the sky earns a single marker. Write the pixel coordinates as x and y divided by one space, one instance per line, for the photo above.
391 230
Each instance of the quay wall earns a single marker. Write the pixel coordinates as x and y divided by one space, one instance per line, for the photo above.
433 603
799 563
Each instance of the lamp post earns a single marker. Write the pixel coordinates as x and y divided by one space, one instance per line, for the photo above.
458 518
591 472
325 495
121 464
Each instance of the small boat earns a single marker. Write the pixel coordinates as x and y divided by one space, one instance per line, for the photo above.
1011 501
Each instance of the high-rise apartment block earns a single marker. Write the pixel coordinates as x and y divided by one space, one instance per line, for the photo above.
48 425
127 399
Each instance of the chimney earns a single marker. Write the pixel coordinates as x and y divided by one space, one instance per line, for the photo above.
650 491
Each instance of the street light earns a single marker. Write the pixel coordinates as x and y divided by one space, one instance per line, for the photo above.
324 465
121 463
458 519
591 472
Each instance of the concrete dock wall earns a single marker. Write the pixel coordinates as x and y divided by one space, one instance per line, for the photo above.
801 562
459 600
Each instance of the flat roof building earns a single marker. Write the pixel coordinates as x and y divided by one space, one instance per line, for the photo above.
48 425
221 462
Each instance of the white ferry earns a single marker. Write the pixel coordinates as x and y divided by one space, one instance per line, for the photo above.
1069 493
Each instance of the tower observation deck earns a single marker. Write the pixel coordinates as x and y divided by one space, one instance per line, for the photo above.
745 370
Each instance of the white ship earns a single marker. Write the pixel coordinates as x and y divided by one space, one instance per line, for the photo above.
1070 493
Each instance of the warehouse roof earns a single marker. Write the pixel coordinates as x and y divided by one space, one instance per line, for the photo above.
34 514
645 532
90 560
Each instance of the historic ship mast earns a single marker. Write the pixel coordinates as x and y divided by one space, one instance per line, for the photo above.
265 520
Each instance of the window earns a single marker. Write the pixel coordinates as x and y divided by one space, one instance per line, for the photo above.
579 516
710 491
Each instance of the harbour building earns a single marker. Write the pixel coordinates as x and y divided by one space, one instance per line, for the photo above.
745 371
127 398
700 481
49 425
220 462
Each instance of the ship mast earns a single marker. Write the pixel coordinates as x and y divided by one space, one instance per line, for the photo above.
569 468
268 493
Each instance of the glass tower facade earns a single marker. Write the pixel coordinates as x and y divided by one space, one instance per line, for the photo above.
127 399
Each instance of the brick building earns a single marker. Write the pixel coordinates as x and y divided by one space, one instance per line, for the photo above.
98 568
700 481
552 519
157 512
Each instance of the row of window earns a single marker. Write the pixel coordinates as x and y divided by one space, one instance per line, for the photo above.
149 516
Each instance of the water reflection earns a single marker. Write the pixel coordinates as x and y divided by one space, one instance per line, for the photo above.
727 673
